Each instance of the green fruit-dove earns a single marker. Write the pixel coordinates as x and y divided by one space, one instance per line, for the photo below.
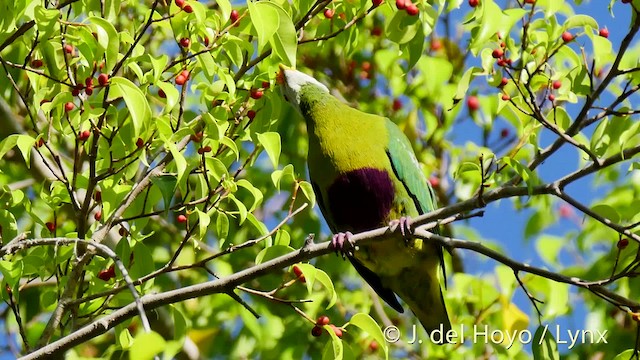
365 175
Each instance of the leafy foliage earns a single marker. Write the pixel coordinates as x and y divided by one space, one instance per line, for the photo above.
145 149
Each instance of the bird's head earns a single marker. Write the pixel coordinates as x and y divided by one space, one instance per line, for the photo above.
297 87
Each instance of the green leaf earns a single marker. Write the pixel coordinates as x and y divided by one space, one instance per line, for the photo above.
607 212
580 21
11 271
46 20
203 223
272 252
172 94
366 323
308 192
108 40
179 323
625 355
544 345
134 98
271 143
24 142
403 28
286 173
463 84
222 227
336 351
146 346
325 280
548 247
167 185
284 42
263 18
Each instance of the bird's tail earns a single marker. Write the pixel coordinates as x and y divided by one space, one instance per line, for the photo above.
420 289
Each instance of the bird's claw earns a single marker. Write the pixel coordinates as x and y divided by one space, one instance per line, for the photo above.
342 242
405 227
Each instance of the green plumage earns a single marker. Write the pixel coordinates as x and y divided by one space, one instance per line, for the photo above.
365 174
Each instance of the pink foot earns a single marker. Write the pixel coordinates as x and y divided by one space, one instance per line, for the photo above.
405 226
342 243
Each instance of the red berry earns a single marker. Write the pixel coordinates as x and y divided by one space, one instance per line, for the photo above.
188 9
502 44
180 3
472 103
234 16
180 80
197 137
316 331
162 94
376 31
206 41
266 84
84 135
529 1
88 81
506 97
251 114
501 62
373 346
182 219
328 13
185 73
185 42
565 211
434 181
504 82
106 275
103 79
604 32
508 61
436 44
97 196
256 94
552 97
36 63
474 3
377 3
623 243
497 53
336 330
556 84
75 91
366 66
322 320
89 90
40 142
50 226
401 4
139 143
412 10
69 106
504 133
68 49
201 151
397 104
299 274
206 149
567 36
98 215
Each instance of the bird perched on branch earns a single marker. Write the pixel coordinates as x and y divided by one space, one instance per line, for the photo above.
365 175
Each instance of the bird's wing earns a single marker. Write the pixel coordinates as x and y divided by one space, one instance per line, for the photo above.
407 169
